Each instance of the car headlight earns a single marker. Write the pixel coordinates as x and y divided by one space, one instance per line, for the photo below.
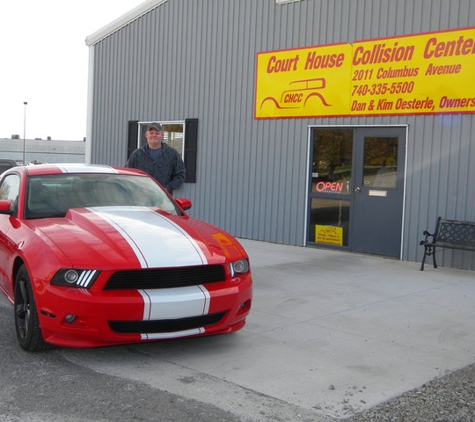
239 267
75 278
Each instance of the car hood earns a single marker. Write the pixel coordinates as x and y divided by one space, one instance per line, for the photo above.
137 237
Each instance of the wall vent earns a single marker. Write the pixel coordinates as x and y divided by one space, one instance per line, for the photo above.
286 1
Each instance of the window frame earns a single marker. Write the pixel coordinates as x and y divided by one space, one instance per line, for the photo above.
136 138
142 128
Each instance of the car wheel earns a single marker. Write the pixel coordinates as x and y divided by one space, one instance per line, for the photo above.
27 324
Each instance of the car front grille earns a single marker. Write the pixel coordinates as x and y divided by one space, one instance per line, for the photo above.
165 326
164 278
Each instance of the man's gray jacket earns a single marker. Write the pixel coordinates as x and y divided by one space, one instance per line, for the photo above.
168 170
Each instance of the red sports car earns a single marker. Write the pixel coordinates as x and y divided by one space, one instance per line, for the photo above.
96 255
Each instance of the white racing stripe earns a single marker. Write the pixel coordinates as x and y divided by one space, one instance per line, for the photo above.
175 303
82 168
158 242
155 239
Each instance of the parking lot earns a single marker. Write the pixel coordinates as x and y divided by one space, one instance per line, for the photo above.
330 333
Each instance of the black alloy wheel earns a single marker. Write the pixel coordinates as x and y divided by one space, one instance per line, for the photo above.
27 324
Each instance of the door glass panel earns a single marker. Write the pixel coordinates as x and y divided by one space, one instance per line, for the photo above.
380 162
332 161
329 221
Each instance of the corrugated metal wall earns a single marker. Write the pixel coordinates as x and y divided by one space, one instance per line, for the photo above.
196 59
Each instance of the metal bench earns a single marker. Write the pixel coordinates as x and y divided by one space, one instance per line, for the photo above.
451 234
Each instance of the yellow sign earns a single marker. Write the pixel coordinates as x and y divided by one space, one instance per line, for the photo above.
417 74
302 82
330 235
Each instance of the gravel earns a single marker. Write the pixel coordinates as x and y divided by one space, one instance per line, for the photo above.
450 398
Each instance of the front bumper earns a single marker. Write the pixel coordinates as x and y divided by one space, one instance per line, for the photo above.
76 317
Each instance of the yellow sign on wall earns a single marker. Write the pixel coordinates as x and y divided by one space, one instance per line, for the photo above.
302 82
417 74
330 235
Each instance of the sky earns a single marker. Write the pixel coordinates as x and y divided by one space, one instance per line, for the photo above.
44 62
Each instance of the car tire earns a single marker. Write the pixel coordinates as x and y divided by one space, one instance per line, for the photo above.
27 325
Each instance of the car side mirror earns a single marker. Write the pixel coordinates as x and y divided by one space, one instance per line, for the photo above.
5 207
184 203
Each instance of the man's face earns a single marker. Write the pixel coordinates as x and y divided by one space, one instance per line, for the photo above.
154 138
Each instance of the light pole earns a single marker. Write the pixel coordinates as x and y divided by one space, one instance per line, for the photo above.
24 132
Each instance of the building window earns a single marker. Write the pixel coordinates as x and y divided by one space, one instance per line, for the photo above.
181 135
173 135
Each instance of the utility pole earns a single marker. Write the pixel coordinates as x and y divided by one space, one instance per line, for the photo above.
24 132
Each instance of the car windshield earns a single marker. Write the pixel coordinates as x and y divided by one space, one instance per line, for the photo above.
54 195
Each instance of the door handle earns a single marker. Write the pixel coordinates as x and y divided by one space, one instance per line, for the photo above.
357 189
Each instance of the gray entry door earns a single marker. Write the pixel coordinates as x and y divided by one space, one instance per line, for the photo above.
356 193
378 191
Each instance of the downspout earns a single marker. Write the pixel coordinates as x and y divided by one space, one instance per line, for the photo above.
90 105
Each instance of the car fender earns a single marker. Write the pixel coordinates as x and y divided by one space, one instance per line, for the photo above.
26 248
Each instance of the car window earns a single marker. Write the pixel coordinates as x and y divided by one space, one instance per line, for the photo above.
9 190
54 195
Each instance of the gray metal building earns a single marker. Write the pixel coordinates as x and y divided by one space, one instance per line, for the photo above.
308 179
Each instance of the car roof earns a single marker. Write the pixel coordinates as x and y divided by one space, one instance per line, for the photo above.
64 168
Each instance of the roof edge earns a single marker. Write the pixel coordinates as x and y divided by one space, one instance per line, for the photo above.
122 21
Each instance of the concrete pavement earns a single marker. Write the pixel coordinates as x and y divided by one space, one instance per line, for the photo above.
330 334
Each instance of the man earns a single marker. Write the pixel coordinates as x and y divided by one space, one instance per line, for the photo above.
158 159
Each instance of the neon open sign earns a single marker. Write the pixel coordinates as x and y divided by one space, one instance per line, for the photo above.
336 187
